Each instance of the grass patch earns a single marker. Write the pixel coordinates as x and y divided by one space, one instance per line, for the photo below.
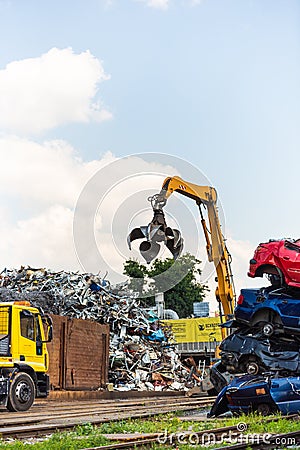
88 435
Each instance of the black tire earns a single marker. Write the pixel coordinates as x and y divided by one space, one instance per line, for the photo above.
21 393
268 329
268 323
252 368
264 409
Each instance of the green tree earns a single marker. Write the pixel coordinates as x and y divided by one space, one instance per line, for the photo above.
137 273
181 274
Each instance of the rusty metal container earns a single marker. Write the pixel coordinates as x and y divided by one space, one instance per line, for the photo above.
78 354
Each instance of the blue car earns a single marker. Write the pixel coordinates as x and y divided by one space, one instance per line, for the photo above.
261 394
270 310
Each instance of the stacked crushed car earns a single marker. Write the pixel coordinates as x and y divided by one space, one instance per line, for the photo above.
268 319
266 340
142 351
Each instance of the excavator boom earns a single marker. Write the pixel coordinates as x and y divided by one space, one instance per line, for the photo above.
157 232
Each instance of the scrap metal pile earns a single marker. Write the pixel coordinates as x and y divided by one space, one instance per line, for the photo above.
142 351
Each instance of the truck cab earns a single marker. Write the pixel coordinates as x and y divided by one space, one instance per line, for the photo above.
23 354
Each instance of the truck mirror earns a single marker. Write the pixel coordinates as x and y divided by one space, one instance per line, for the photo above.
50 333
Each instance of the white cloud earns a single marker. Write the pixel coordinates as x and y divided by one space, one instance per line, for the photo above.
40 175
40 185
157 4
44 239
242 252
195 2
165 4
59 87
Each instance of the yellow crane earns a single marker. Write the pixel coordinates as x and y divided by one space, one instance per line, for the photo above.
157 232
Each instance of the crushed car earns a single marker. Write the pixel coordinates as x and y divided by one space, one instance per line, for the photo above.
280 259
263 394
251 353
219 377
273 311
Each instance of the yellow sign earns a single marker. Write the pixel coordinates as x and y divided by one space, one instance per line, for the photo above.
201 329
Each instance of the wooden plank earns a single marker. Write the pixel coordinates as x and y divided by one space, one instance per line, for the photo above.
56 350
84 360
78 354
130 436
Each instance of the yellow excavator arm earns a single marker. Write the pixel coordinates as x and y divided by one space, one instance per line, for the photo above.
157 231
215 242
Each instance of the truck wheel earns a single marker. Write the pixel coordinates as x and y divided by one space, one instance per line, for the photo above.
22 393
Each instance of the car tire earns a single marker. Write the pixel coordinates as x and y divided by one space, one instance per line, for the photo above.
21 393
264 409
268 329
252 368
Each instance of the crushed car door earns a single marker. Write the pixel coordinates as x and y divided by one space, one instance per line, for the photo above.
289 310
290 255
286 394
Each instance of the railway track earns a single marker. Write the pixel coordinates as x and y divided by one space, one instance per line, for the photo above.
214 436
47 417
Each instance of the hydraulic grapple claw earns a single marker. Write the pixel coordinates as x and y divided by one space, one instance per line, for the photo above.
149 250
175 244
154 234
137 233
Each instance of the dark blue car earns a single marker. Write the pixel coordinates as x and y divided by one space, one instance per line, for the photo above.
261 394
244 352
270 310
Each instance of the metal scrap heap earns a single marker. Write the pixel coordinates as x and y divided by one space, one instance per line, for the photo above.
142 351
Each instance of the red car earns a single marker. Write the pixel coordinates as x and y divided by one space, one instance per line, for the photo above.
280 260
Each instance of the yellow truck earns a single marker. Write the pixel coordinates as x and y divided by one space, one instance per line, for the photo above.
23 354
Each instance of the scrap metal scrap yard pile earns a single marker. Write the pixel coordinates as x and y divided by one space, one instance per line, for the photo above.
142 356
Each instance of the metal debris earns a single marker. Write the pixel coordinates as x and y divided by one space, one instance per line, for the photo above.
143 355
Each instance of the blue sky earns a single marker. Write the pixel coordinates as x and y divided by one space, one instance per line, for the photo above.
215 82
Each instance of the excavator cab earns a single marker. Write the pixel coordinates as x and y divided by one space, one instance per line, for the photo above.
156 233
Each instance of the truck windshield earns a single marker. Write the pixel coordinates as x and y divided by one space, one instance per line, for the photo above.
38 329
